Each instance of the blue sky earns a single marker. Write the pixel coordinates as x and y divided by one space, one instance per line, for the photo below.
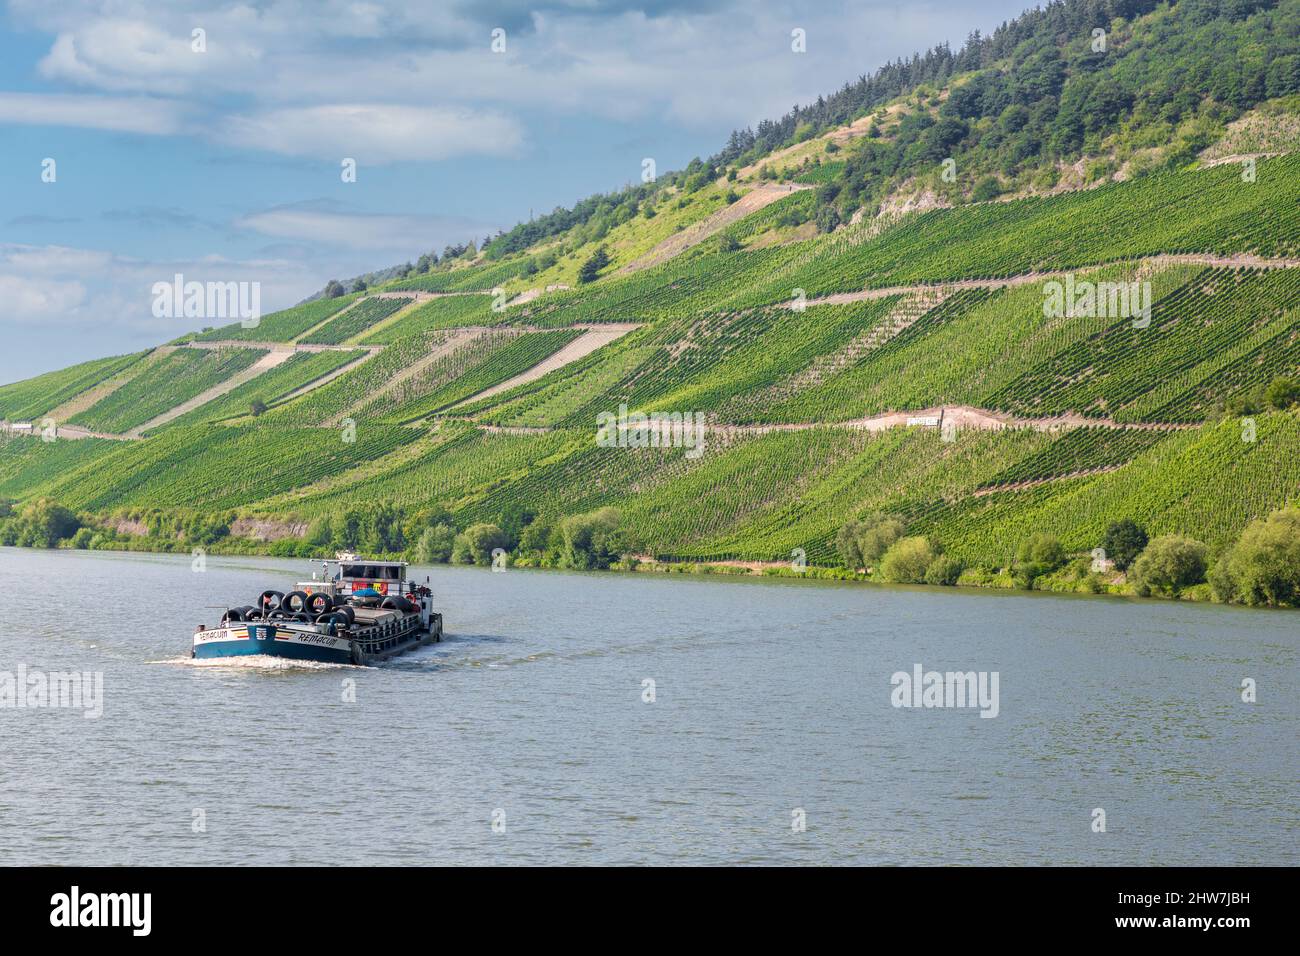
224 165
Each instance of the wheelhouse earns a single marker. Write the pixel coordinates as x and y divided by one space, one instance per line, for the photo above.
351 574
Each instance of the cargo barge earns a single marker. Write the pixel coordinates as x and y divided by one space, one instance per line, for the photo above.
357 611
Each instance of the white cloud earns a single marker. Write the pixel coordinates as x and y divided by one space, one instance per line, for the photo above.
712 66
401 235
375 133
110 296
31 301
136 114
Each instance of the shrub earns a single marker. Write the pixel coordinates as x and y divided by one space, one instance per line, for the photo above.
477 542
907 561
592 541
861 543
1042 549
944 570
986 189
1263 567
1169 564
1123 542
435 544
1282 392
42 524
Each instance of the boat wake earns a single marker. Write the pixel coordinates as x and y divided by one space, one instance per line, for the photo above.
264 662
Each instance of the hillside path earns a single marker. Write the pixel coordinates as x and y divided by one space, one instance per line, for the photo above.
760 196
267 362
582 346
1237 261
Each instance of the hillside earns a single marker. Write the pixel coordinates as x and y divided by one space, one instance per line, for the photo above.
855 334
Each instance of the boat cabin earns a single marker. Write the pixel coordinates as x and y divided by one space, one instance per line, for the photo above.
386 577
352 574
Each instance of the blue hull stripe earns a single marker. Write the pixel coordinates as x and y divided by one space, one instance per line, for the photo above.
273 648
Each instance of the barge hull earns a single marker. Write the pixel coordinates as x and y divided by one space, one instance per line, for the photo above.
273 642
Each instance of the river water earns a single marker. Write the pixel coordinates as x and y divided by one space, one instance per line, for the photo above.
533 733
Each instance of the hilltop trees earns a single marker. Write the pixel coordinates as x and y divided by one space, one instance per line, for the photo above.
590 270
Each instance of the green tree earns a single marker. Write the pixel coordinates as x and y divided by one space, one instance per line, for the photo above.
435 544
944 570
1169 564
476 543
1263 567
539 538
1038 554
334 289
44 523
1042 549
592 541
986 189
1123 542
590 270
907 561
320 534
860 543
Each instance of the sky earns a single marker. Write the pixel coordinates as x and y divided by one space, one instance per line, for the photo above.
134 149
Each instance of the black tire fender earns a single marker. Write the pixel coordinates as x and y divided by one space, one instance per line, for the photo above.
288 602
319 603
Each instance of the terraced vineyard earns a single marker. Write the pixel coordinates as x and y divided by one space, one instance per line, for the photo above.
1207 483
297 372
28 465
1079 450
1221 317
44 393
283 326
445 312
369 311
481 279
479 363
206 467
162 382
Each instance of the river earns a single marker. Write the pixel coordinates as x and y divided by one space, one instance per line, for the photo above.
665 719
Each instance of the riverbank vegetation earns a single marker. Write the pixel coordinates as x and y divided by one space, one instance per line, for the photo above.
1261 567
